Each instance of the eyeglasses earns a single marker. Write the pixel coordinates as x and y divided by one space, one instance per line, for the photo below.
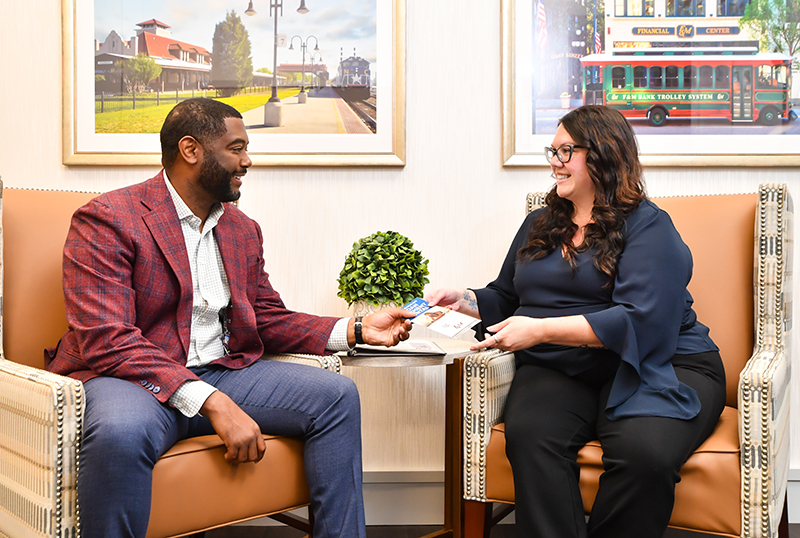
564 153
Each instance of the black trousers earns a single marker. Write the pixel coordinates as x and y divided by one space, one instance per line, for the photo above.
550 416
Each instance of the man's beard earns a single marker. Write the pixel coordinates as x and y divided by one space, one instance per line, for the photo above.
216 180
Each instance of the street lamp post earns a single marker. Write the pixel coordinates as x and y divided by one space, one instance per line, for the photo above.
315 74
301 97
272 108
312 72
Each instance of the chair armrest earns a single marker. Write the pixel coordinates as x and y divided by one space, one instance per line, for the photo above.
41 423
764 437
487 379
329 362
764 383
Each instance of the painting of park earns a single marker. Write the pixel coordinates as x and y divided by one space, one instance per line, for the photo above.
152 53
316 81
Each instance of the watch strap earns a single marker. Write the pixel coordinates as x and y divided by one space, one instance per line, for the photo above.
357 326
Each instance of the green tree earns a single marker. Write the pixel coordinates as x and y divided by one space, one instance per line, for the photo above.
140 70
231 62
264 70
776 22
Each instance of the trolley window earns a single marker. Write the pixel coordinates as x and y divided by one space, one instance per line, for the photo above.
771 77
618 78
690 76
640 76
706 76
722 76
656 77
594 77
671 73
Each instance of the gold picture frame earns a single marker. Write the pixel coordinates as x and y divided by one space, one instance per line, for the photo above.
523 147
386 147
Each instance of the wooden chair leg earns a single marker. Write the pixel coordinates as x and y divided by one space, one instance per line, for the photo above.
477 519
783 526
305 525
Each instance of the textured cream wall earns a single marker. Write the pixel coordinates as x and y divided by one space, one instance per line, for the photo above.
454 199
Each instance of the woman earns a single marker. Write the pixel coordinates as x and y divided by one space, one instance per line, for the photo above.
592 299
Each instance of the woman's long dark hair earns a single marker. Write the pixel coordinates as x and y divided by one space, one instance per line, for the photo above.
615 170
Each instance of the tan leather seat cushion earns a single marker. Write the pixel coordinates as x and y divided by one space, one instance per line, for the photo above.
707 497
182 477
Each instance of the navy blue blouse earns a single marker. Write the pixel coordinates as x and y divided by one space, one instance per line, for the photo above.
644 318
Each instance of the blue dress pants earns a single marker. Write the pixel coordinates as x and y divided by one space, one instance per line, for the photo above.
126 431
550 416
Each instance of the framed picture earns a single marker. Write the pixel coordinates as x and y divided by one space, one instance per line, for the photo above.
688 75
318 83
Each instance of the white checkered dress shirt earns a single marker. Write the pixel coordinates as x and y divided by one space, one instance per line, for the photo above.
211 296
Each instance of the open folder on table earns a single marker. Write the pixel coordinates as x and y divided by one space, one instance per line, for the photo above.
408 347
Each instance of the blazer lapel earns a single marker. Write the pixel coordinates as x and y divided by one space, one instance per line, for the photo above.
233 257
162 221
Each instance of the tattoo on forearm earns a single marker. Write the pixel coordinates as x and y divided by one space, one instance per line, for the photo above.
471 301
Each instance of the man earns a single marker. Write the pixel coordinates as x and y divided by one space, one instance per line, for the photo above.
169 309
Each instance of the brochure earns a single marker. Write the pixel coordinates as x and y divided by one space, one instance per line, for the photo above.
439 318
408 347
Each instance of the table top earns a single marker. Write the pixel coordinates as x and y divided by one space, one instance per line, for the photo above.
454 349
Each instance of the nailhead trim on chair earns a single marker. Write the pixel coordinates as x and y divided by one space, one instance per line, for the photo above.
767 391
63 419
498 366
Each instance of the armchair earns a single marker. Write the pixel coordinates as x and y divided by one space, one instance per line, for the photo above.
41 413
734 485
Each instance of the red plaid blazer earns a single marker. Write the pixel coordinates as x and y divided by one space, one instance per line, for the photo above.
128 294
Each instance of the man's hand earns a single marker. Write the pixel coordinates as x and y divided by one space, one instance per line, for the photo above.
238 431
387 327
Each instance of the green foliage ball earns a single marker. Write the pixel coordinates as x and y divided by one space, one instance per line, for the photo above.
382 268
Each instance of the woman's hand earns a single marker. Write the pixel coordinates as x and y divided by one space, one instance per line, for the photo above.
459 300
513 334
521 332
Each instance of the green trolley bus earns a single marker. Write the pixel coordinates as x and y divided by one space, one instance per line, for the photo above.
740 87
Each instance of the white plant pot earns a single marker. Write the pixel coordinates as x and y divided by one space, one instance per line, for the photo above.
363 308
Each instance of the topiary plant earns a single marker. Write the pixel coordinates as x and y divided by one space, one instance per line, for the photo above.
381 269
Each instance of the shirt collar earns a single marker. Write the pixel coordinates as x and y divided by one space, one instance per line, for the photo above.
184 213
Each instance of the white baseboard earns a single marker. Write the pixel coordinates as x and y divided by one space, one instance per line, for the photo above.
793 491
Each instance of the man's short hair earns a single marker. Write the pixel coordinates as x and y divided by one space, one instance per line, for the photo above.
201 118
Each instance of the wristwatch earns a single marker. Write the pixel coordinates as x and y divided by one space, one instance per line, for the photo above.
357 326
